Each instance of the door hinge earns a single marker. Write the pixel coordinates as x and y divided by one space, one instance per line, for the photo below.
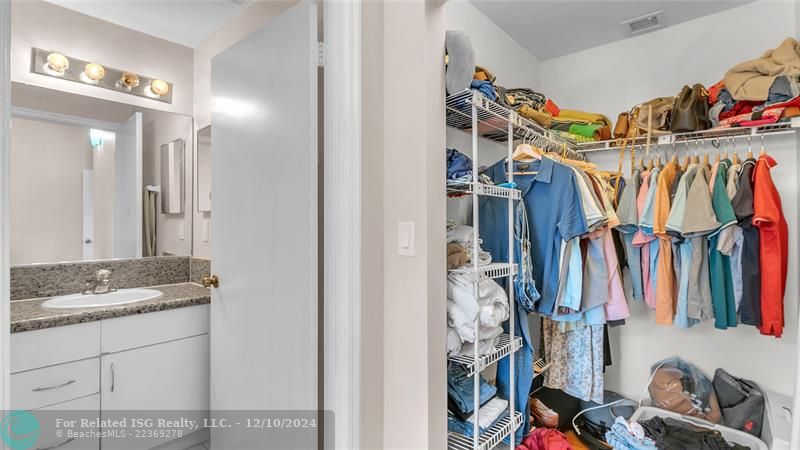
321 54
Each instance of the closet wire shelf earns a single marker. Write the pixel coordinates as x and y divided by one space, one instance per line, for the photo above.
503 347
488 439
483 189
493 120
493 270
713 135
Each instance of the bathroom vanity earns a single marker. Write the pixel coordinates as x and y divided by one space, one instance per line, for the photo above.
149 355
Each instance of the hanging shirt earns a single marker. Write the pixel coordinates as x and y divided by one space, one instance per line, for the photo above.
699 221
645 238
774 234
733 180
719 264
665 278
628 215
750 307
684 246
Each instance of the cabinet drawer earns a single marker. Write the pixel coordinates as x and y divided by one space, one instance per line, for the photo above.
81 408
55 384
139 330
40 348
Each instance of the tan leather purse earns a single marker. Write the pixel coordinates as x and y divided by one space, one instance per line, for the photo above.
662 112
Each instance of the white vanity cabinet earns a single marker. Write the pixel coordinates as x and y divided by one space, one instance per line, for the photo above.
150 362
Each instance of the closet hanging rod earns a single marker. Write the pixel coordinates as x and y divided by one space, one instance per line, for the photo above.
713 135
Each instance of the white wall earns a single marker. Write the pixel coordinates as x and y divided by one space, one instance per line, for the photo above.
511 64
658 64
414 366
35 23
47 163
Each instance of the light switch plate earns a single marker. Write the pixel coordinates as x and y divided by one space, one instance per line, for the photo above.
204 231
406 239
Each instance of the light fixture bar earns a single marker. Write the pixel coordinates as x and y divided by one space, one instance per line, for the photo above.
58 65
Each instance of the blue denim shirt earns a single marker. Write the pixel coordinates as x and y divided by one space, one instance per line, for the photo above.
553 205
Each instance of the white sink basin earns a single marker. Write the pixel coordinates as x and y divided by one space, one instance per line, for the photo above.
119 297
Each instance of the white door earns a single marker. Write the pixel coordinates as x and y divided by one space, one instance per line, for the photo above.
263 322
128 189
87 201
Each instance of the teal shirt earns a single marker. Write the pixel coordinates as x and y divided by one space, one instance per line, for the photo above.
722 296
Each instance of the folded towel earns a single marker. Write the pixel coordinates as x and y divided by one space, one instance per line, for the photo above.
464 324
485 346
489 412
464 235
453 342
491 306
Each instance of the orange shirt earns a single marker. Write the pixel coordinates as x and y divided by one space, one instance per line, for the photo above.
774 246
665 277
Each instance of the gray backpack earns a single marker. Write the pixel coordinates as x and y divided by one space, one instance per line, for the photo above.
742 402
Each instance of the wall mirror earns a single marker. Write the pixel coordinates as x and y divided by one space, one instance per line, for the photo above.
95 179
204 170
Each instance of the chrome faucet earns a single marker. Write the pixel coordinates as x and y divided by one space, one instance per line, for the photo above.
101 284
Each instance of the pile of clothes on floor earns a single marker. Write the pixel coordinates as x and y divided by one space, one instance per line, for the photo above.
677 389
760 91
665 433
461 403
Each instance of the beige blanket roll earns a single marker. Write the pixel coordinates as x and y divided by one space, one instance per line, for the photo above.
752 79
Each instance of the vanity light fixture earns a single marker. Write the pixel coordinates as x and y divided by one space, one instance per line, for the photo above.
129 80
159 87
58 63
94 71
91 73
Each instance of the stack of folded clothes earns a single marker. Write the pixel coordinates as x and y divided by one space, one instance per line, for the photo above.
527 103
490 308
760 91
461 404
578 126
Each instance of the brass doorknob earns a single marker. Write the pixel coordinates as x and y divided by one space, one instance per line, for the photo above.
212 281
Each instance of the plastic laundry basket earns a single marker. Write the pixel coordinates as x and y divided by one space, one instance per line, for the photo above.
730 435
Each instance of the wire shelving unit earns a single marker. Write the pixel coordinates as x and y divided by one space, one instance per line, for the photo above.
505 345
489 439
493 270
482 118
680 141
501 124
472 112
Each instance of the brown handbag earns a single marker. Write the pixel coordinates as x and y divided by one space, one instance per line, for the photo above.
690 112
662 112
621 127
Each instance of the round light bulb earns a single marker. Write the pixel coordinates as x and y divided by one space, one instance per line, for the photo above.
94 71
159 87
129 80
57 62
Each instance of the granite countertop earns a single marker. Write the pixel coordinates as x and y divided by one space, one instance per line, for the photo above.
27 315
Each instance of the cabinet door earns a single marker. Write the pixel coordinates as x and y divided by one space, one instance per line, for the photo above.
164 377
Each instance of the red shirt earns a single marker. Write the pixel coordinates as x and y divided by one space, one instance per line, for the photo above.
774 246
